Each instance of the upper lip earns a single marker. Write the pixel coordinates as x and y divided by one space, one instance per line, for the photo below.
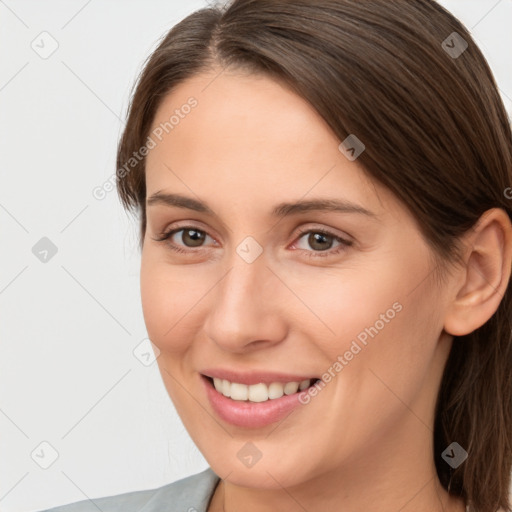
254 376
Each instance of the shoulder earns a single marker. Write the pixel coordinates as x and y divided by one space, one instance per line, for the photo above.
190 494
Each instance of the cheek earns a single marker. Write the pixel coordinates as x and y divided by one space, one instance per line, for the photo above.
347 302
167 295
379 315
390 333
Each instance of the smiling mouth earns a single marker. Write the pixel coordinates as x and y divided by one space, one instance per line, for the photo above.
260 392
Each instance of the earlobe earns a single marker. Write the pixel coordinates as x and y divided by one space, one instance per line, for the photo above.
486 273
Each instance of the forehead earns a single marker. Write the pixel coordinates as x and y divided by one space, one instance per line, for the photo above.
246 110
248 136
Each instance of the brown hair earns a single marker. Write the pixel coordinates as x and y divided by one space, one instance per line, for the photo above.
436 134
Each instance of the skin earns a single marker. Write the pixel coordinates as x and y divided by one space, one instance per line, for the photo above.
366 441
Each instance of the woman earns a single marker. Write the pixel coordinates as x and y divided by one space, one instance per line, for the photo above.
326 257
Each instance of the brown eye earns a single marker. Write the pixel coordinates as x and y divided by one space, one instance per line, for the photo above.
320 241
192 237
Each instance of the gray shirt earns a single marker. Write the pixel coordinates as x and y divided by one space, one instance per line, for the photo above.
190 494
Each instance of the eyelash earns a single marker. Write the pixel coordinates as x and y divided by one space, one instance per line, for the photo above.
164 237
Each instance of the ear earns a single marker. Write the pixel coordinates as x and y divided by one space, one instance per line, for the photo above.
485 274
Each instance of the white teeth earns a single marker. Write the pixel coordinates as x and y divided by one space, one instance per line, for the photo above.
290 388
304 384
239 391
226 388
258 392
275 390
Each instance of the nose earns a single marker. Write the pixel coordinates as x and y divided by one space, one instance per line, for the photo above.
246 309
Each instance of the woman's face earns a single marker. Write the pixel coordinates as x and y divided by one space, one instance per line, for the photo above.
259 285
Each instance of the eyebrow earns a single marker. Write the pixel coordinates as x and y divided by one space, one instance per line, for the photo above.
281 210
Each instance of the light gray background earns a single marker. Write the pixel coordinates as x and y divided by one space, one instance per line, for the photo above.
68 375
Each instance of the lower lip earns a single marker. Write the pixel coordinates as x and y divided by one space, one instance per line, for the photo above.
250 414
